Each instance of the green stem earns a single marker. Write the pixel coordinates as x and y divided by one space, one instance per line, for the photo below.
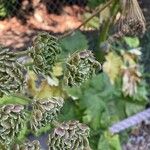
27 64
18 95
55 123
107 25
104 33
22 53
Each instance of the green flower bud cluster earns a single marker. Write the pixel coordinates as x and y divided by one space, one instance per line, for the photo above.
69 136
45 111
34 145
44 52
80 67
11 73
12 120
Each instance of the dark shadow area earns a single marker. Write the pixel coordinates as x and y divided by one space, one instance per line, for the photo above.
145 5
56 6
23 10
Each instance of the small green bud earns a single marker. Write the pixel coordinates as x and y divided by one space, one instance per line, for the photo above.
71 135
11 73
13 119
80 67
45 111
34 145
44 52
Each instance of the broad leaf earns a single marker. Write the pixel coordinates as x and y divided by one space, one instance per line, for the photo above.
132 42
93 97
109 142
13 100
129 108
94 3
112 66
75 42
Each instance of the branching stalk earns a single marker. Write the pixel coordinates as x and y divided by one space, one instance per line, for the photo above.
106 28
22 53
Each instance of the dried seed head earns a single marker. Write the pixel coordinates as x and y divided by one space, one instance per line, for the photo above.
133 18
44 52
13 119
45 111
11 73
131 22
71 135
80 67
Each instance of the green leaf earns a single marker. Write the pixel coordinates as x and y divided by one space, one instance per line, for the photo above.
109 142
129 108
74 92
43 130
69 111
94 108
13 100
93 23
22 134
93 96
94 3
93 139
132 42
142 92
75 42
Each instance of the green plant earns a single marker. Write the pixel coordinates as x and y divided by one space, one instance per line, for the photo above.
77 89
11 73
95 3
40 114
75 85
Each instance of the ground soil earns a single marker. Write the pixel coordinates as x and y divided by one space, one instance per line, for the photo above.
16 33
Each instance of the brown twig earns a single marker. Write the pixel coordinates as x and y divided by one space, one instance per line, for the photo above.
87 20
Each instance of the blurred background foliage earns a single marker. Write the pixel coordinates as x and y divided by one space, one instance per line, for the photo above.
7 7
95 3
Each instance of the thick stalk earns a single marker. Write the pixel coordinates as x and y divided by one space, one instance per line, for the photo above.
106 27
22 53
21 96
104 33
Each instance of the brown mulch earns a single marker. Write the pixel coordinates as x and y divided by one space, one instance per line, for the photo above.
17 35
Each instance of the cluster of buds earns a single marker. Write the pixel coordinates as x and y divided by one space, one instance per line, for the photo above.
13 119
71 135
45 111
11 73
44 52
80 67
34 145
